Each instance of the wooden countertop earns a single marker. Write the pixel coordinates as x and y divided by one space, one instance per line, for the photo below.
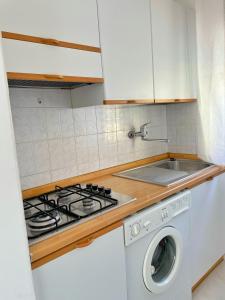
146 195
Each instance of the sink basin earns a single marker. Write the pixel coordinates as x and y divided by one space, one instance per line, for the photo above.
166 172
185 165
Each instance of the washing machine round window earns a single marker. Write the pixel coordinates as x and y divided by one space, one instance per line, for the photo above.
162 260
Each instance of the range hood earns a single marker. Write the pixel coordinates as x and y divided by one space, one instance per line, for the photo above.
49 81
37 62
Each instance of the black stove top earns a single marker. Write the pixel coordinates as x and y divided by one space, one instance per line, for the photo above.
52 211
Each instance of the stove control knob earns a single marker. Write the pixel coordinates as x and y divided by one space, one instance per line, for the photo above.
108 191
135 229
101 189
88 186
94 187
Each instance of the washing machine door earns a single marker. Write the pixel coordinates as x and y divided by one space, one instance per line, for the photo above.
162 260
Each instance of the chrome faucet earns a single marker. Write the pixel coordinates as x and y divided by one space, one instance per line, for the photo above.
144 133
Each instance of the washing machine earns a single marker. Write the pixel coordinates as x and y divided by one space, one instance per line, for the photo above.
157 251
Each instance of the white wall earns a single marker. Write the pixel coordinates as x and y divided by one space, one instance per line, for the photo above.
15 273
56 141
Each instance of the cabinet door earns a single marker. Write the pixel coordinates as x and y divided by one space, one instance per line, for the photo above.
95 272
25 57
170 51
207 226
68 20
125 35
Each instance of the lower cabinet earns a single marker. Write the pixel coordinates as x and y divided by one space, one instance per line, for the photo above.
207 226
94 272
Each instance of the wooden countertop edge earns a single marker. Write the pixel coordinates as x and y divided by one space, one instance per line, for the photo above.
46 247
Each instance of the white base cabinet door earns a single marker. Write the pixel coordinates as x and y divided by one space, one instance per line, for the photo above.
96 272
207 226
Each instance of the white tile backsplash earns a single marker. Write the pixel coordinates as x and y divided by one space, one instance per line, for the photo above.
182 127
56 141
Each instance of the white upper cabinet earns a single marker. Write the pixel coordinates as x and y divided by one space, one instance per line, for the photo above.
170 51
72 21
125 36
33 58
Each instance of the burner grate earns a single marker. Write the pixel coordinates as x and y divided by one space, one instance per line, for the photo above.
79 203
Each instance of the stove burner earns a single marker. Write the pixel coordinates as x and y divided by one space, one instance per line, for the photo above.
44 220
62 193
88 203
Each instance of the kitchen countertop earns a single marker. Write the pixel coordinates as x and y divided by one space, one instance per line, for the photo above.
146 195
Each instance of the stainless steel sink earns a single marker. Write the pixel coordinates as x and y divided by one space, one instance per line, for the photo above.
185 165
166 172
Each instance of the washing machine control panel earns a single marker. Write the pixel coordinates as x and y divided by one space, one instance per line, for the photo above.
158 215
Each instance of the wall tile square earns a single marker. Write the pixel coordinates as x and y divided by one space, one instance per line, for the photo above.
38 123
56 154
22 124
107 149
25 159
41 156
35 180
79 122
53 123
87 153
91 121
106 119
67 125
69 152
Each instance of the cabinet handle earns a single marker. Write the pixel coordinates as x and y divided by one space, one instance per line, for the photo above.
210 178
54 77
85 243
50 42
176 100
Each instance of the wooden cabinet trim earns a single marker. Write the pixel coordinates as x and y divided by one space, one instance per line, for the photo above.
183 156
48 41
129 101
52 77
207 273
148 101
85 242
167 101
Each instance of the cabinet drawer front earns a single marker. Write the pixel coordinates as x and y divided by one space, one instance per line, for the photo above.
73 21
25 57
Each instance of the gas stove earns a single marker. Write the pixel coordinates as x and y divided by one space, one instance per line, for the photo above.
54 211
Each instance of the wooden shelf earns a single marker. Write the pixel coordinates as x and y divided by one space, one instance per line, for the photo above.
51 42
